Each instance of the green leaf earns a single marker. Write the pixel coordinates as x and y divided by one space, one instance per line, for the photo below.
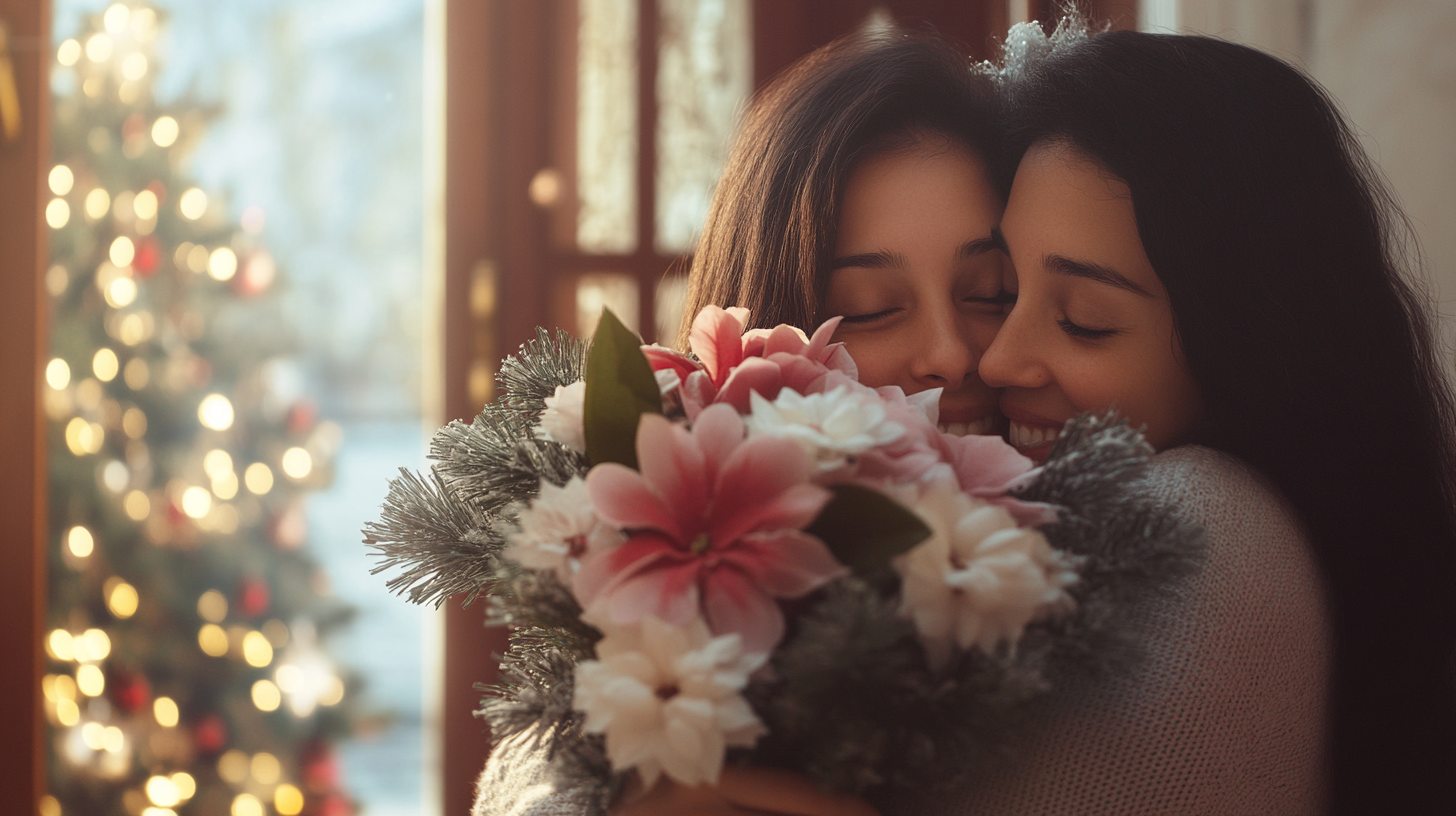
620 388
864 528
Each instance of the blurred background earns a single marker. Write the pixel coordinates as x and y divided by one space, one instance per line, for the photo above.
286 239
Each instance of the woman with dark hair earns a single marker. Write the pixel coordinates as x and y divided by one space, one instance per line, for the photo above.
1199 242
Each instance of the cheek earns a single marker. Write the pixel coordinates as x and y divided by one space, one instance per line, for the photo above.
876 359
1147 386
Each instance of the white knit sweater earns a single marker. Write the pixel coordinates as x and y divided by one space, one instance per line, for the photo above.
1227 715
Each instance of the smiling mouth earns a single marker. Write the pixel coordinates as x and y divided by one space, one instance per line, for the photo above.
1031 436
979 427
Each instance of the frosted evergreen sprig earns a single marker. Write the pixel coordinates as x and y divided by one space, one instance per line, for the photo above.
444 546
532 374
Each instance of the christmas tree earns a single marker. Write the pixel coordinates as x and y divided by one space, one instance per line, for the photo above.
186 619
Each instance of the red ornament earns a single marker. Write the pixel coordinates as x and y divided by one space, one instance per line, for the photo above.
302 417
134 125
209 734
148 254
253 597
320 769
130 691
332 805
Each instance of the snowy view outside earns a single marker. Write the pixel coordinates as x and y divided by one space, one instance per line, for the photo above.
316 119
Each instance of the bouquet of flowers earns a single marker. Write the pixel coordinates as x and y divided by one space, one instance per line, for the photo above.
744 554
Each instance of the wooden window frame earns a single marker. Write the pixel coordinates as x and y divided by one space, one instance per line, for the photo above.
24 341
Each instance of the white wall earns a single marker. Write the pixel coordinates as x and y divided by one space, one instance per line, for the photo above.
1391 64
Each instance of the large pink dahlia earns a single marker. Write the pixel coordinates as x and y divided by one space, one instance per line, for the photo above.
714 525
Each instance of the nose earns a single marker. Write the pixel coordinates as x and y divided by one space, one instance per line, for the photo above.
1013 359
945 354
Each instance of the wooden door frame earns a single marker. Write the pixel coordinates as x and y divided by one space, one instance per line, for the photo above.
24 310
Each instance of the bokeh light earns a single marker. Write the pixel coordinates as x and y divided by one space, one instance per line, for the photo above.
61 179
121 598
266 695
215 412
259 478
165 710
212 640
80 542
257 651
297 463
165 131
222 264
192 204
58 374
58 213
105 364
212 606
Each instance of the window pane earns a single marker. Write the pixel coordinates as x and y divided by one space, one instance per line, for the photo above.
704 75
606 134
672 295
605 290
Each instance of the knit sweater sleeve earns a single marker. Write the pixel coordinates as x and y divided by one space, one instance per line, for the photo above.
1227 713
517 781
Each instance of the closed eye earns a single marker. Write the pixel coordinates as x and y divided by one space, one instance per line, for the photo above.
1082 332
869 318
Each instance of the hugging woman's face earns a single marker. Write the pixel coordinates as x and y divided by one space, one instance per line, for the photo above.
917 274
1091 327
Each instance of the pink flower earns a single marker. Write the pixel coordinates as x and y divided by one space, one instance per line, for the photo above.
714 526
735 364
987 468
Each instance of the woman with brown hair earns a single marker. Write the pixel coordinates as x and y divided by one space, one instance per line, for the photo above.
860 186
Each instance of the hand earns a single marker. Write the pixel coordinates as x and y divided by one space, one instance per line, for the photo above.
741 792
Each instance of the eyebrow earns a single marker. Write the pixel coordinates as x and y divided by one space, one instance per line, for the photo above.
895 260
1093 272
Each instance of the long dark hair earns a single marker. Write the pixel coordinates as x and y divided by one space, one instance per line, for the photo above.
1282 254
771 230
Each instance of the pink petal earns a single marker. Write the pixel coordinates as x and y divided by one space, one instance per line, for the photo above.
1026 513
732 603
698 391
715 338
792 509
838 359
717 431
666 591
667 359
754 481
592 576
819 343
786 563
672 465
753 342
624 499
800 373
984 462
785 339
753 374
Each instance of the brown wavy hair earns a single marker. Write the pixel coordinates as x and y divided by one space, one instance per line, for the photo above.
774 220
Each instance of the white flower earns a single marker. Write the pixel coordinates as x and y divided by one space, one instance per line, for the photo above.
557 529
832 427
667 381
562 419
667 698
979 579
